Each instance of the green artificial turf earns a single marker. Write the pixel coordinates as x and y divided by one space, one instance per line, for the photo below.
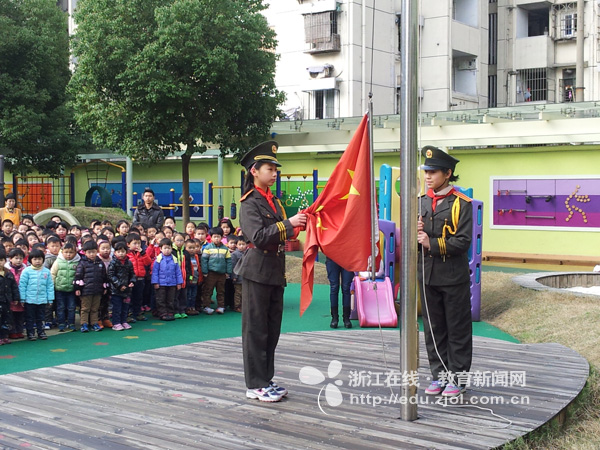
75 346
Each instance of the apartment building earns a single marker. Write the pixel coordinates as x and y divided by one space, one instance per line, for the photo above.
333 53
472 54
535 55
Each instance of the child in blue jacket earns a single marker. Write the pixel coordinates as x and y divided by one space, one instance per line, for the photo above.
167 280
37 291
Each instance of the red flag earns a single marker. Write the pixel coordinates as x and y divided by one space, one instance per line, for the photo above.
339 222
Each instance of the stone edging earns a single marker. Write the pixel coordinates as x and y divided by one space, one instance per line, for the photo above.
529 281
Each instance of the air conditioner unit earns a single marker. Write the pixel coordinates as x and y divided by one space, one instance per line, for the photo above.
467 64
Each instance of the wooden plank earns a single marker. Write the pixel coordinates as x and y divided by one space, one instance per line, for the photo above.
193 396
539 258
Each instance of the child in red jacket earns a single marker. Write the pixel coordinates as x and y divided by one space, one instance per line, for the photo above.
140 260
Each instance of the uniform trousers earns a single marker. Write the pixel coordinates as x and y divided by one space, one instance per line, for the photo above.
449 309
262 311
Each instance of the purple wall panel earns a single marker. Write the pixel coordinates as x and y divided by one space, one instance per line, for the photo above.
547 202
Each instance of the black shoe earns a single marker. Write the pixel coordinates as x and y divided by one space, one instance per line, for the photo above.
31 337
335 318
346 318
42 336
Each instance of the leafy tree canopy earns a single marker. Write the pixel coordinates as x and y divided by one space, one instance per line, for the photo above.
158 77
36 124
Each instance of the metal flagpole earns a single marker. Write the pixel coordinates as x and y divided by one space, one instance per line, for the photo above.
374 227
409 344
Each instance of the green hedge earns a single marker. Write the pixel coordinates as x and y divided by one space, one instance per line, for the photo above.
85 214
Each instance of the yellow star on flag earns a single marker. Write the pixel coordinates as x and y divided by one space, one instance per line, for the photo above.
353 190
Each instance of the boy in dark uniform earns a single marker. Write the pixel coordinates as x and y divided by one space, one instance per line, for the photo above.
444 235
265 225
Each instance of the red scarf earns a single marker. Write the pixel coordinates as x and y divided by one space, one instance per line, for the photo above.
437 198
268 196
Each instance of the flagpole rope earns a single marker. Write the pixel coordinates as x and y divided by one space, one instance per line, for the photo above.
372 50
373 281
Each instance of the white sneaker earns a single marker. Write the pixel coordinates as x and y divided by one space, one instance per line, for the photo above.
279 389
267 394
220 310
208 310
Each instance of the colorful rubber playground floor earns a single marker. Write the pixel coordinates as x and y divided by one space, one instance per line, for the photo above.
63 348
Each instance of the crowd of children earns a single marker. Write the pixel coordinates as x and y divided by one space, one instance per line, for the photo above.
113 275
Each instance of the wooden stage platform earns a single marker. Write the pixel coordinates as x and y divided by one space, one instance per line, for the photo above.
193 396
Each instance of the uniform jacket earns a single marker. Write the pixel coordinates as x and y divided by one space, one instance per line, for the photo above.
149 217
121 273
63 273
139 260
90 276
216 259
166 271
446 261
36 286
267 230
235 257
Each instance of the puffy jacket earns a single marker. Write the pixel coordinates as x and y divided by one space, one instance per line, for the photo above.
180 256
149 217
9 290
216 259
166 271
48 260
90 276
36 286
120 273
194 261
139 260
63 273
16 271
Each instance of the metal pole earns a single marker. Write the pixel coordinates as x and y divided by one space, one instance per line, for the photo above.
1 180
129 185
374 227
409 344
220 178
579 88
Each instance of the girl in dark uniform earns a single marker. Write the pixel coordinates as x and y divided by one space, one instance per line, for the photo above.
265 225
444 235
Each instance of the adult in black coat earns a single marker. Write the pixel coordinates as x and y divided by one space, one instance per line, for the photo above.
149 214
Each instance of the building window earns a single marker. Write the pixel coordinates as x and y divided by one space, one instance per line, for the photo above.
324 102
567 85
565 20
568 26
321 32
532 85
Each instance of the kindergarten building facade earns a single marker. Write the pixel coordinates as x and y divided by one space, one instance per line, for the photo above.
535 171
